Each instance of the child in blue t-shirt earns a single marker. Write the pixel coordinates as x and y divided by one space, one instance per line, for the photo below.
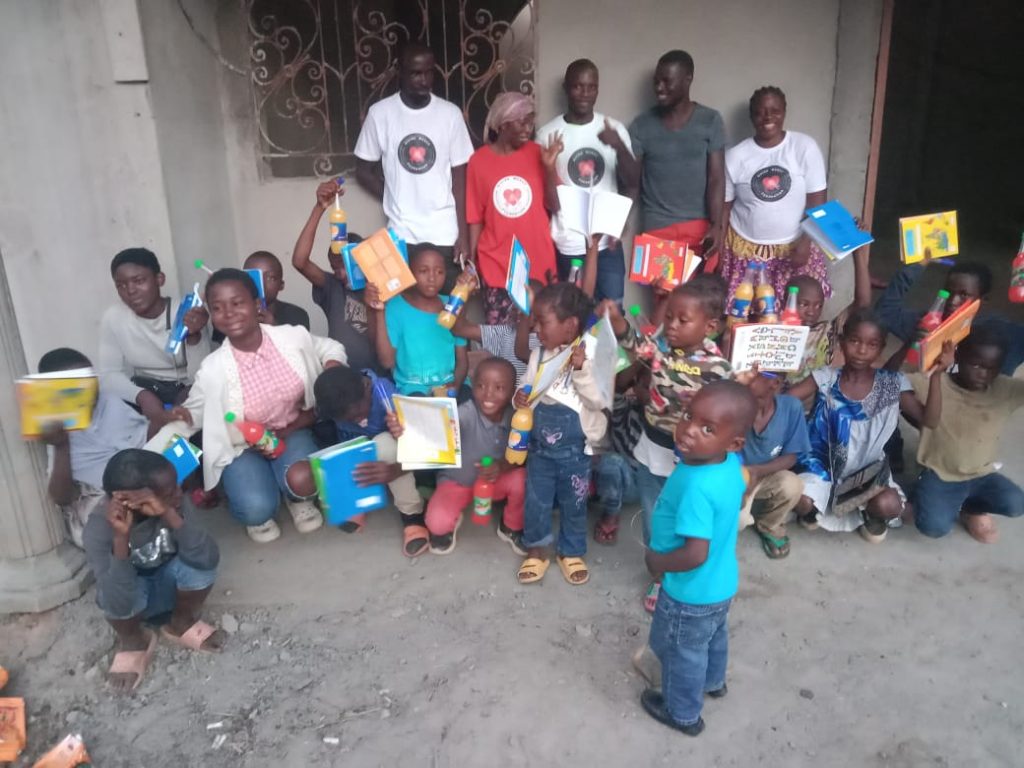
422 355
777 439
693 542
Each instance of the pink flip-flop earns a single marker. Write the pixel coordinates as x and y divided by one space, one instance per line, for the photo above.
193 637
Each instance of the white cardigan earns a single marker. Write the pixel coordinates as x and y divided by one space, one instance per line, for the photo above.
217 389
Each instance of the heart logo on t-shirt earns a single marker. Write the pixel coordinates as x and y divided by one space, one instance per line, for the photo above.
586 168
512 196
416 153
771 183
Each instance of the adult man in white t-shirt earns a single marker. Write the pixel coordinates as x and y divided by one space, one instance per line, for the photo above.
412 153
597 155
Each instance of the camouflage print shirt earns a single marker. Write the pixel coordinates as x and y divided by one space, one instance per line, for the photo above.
672 372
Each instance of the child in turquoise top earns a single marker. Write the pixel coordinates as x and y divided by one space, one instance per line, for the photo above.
693 542
422 355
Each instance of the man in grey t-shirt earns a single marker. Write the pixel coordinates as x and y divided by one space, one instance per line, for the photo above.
681 148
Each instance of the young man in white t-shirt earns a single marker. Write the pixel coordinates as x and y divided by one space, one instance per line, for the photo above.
597 155
411 154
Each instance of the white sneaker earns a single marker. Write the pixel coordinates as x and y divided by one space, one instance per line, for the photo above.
306 515
264 534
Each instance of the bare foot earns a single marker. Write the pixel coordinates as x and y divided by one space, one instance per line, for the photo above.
130 669
213 644
981 527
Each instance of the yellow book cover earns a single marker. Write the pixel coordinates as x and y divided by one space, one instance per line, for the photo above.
63 396
934 234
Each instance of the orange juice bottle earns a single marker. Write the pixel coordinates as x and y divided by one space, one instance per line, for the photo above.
739 308
339 227
764 299
456 302
519 434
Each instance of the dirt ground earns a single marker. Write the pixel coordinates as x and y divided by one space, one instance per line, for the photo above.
343 652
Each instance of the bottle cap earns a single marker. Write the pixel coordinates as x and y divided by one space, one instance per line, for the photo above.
576 262
229 416
634 310
451 393
168 406
793 289
198 263
527 389
943 294
486 461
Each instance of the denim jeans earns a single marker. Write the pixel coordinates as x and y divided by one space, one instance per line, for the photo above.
156 590
615 478
557 469
937 502
692 644
254 484
649 487
611 272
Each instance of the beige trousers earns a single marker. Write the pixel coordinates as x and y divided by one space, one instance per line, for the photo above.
768 507
403 488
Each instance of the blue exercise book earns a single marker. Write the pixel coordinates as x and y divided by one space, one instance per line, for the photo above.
340 497
176 338
183 455
832 227
257 277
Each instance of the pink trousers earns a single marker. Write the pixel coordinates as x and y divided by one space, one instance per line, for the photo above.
450 499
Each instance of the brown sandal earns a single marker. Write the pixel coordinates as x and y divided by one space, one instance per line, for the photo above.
606 530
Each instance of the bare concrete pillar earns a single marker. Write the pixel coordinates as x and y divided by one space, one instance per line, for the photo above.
39 569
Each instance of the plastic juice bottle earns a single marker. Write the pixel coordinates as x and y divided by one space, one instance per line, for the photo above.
519 434
641 322
1017 275
257 435
790 315
483 494
739 308
576 272
339 227
932 319
765 305
456 303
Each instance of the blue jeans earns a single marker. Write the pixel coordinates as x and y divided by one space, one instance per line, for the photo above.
156 590
254 484
557 469
649 487
937 502
611 272
615 478
692 644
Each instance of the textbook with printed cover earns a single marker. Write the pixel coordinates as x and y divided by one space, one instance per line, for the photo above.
67 397
341 498
934 235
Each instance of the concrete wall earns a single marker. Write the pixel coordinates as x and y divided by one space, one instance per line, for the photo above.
80 175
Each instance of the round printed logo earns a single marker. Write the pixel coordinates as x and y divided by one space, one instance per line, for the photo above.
586 167
416 153
771 183
512 196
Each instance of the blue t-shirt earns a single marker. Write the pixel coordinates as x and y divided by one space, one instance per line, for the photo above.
701 502
785 433
425 351
376 422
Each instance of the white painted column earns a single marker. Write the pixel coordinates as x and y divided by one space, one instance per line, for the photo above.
39 569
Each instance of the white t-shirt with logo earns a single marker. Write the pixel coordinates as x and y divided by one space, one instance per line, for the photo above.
418 149
584 159
768 188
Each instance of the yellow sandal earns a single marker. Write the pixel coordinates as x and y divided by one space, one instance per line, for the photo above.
571 566
532 570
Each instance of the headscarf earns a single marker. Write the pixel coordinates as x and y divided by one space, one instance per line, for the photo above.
507 107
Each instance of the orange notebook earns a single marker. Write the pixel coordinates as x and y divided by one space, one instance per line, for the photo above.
382 263
954 328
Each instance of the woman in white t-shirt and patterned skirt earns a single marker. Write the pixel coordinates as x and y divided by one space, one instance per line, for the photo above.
770 180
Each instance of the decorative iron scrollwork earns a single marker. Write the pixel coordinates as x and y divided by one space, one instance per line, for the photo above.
318 65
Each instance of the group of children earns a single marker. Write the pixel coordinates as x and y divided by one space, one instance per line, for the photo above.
704 449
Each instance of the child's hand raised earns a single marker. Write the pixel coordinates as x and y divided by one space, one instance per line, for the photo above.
578 357
196 319
54 434
371 297
326 191
394 426
945 358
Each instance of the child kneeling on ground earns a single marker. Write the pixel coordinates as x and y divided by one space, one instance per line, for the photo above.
959 475
777 439
693 543
149 558
484 422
